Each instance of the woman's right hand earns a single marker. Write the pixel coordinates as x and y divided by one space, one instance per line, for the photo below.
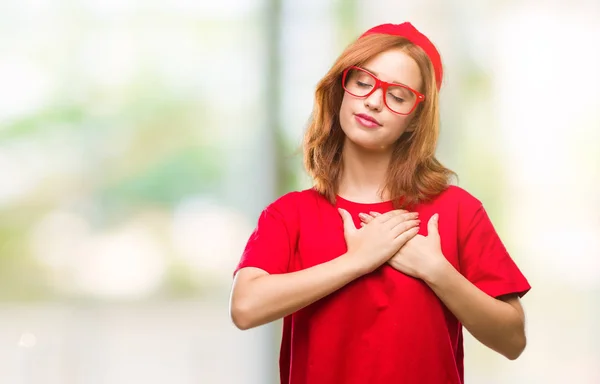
376 242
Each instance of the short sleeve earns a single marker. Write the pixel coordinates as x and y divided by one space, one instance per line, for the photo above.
485 261
273 241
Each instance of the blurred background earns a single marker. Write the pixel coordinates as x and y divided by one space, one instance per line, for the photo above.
139 141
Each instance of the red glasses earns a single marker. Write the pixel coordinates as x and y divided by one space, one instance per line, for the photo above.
399 98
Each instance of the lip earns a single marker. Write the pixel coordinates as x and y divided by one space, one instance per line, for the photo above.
367 120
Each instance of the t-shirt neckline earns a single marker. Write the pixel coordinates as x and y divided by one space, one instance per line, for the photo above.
345 202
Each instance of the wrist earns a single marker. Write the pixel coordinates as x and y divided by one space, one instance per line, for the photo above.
437 271
354 264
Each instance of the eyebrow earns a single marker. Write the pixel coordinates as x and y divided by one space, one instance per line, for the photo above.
376 74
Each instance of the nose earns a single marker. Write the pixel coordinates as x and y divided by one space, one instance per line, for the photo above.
375 100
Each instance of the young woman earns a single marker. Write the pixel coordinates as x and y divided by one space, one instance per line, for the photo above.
377 268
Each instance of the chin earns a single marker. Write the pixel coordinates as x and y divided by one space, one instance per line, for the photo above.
371 144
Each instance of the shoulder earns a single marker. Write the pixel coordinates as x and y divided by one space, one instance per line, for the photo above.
288 210
458 196
293 202
456 202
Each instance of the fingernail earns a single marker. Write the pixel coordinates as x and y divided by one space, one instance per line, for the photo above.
362 215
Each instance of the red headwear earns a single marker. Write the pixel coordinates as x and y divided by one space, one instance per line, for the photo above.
408 31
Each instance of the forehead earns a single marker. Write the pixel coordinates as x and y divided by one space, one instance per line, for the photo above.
395 66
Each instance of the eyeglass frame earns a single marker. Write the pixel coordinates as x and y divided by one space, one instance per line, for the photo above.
384 86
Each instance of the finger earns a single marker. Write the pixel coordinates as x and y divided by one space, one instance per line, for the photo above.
432 226
405 226
405 236
349 226
365 218
362 224
389 215
395 220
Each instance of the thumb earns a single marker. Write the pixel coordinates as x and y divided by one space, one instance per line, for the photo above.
349 226
432 226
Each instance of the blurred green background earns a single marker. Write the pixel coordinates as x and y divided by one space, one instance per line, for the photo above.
139 141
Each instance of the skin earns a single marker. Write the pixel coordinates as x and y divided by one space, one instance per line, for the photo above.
367 151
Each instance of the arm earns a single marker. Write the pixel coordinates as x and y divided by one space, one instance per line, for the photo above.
497 323
258 298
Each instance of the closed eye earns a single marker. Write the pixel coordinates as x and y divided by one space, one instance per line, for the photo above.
361 84
396 98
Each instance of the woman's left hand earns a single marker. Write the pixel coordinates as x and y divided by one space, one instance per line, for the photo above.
421 256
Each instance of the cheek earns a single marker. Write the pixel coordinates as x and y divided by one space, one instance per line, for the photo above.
402 123
346 110
399 124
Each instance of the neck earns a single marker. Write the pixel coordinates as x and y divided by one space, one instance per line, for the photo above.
364 174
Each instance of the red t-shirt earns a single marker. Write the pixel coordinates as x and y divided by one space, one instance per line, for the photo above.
384 327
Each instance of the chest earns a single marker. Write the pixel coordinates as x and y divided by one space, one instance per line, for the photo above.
321 238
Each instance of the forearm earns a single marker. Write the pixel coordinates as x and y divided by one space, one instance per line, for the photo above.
493 322
267 297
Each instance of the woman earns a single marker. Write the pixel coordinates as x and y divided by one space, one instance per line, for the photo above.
377 267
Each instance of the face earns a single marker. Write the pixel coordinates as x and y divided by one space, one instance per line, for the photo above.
367 121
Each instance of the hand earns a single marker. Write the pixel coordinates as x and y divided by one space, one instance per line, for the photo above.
374 244
421 256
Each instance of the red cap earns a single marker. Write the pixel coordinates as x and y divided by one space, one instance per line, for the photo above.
411 33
